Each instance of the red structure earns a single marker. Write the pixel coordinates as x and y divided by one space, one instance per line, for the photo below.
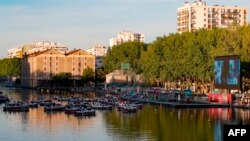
220 98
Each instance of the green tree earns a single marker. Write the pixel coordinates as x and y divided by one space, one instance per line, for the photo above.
62 79
183 58
88 75
128 52
10 67
99 75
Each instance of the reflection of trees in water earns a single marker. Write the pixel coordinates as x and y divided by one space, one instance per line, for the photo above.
243 116
160 123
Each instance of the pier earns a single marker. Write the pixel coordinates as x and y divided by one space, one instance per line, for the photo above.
180 104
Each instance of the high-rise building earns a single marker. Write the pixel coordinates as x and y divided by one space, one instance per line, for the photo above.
125 37
197 15
36 47
98 50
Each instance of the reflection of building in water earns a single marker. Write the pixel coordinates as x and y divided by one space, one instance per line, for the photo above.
55 123
243 116
224 114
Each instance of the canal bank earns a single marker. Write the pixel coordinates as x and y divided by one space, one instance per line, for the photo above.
152 122
180 104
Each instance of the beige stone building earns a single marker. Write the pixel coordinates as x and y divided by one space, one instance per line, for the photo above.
198 14
43 65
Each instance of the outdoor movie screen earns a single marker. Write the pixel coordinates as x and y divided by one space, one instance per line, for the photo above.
227 72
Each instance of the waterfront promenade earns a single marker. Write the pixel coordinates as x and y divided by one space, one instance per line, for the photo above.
179 104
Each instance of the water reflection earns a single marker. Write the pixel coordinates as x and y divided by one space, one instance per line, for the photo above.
150 123
160 123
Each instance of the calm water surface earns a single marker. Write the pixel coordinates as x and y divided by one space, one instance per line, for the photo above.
150 123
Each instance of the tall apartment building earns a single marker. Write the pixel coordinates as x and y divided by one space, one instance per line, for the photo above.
99 52
197 15
43 65
125 37
36 47
15 52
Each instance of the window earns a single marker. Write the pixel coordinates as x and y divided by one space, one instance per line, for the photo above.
56 63
79 64
44 69
73 69
56 58
209 10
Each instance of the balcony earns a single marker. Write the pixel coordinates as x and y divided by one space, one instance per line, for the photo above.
193 22
215 12
193 17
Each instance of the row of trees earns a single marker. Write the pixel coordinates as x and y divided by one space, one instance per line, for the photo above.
185 58
10 67
88 76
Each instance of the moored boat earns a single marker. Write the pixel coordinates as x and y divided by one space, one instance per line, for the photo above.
85 112
71 109
99 106
16 107
4 99
54 107
33 104
129 109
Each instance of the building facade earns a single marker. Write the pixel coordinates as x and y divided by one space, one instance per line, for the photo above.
43 65
197 15
125 37
36 47
15 52
98 50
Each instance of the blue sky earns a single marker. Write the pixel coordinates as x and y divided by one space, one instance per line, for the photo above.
84 23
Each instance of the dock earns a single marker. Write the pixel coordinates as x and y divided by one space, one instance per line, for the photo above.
180 104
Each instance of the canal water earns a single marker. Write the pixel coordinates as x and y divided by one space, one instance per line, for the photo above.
156 123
